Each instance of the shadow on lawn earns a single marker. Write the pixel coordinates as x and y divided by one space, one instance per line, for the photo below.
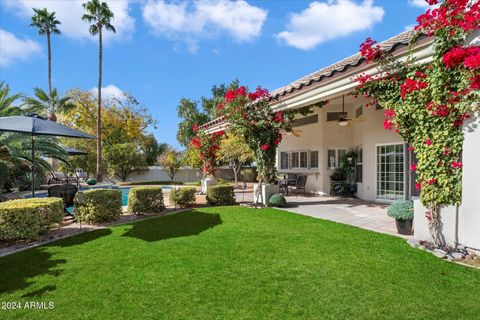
18 268
182 224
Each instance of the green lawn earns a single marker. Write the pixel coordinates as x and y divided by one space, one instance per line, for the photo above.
237 263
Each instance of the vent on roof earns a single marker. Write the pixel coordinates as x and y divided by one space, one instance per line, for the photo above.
335 116
359 111
305 120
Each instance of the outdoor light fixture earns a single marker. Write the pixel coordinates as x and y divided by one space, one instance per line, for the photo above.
343 122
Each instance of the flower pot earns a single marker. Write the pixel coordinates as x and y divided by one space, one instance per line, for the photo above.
266 191
404 226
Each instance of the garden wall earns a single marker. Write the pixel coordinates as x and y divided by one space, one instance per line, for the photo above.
460 224
157 173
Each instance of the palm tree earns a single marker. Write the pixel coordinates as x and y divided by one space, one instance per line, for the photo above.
51 104
100 16
7 107
47 23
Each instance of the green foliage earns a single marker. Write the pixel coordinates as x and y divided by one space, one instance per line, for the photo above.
171 160
28 219
219 195
45 22
98 205
401 209
154 182
49 103
152 149
235 152
145 200
277 200
124 159
183 197
91 182
248 174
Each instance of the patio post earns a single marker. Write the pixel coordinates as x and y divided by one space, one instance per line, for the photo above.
33 165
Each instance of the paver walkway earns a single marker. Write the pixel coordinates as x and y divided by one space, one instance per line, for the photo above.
366 215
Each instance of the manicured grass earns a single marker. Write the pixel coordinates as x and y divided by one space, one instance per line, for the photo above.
237 263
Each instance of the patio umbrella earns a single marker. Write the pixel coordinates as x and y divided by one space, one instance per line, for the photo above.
74 152
36 125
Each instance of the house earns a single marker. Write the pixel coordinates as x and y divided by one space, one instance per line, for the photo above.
382 164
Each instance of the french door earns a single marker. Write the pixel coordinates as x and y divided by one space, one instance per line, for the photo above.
391 171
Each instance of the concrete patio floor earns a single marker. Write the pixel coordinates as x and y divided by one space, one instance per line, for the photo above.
355 212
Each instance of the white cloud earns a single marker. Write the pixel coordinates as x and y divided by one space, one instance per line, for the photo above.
15 49
322 21
418 3
70 15
189 21
409 27
109 92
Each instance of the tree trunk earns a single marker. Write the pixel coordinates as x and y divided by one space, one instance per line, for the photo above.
234 168
99 110
49 64
436 227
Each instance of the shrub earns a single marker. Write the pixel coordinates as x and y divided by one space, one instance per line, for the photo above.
91 182
401 209
220 195
147 183
98 205
183 197
29 218
248 174
145 200
277 200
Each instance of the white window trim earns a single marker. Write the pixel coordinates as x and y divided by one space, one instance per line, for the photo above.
299 169
337 158
381 200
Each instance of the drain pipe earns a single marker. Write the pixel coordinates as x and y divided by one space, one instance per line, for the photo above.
456 226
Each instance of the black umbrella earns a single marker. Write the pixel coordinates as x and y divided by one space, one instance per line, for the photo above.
36 125
74 152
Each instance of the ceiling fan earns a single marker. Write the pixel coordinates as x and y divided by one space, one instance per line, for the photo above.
343 120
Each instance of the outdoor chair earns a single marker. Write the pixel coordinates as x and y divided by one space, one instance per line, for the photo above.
299 184
58 177
289 179
64 191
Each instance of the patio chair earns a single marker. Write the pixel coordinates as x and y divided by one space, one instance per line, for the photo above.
299 185
81 175
58 177
66 192
289 179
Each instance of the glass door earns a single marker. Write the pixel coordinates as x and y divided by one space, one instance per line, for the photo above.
391 172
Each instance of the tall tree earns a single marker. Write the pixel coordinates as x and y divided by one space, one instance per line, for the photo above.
47 24
171 160
236 153
99 16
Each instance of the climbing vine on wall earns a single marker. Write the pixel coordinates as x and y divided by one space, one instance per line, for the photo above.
427 103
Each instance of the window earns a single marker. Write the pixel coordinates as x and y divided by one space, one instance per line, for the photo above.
313 159
335 157
390 171
283 160
359 165
304 159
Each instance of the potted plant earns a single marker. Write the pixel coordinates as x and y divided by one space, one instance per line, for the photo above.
402 211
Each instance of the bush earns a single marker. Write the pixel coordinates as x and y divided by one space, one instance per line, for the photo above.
147 183
29 218
401 209
248 174
277 200
183 197
98 205
91 182
145 200
219 195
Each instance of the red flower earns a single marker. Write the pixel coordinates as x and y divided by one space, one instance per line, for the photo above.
428 142
265 147
196 142
369 51
456 164
446 151
278 117
470 57
432 2
411 85
362 79
387 124
413 167
418 186
432 181
420 74
475 82
410 148
195 127
258 94
278 140
389 113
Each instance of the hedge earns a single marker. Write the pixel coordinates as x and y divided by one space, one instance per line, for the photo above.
98 205
27 219
219 195
145 200
183 197
149 183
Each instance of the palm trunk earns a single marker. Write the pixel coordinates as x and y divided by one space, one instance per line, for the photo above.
49 64
99 111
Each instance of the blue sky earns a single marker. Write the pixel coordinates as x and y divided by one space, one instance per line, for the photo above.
166 50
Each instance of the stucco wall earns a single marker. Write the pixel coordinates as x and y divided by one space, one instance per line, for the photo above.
325 135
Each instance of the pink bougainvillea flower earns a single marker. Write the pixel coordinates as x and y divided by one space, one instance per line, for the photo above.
265 147
195 127
410 148
428 142
432 181
418 186
369 51
456 164
387 124
413 167
475 82
411 85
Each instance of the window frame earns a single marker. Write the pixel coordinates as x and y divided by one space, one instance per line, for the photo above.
337 158
297 154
